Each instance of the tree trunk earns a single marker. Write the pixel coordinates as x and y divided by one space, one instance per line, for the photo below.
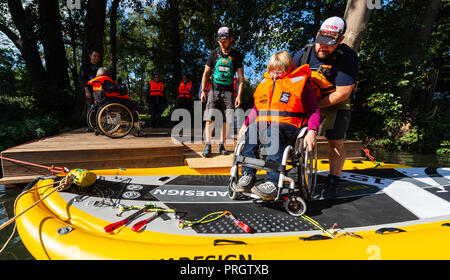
357 16
73 42
54 50
419 50
26 43
94 29
175 40
113 38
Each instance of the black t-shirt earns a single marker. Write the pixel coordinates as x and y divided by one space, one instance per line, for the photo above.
217 53
89 72
344 62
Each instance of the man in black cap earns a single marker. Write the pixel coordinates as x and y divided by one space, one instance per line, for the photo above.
220 69
334 67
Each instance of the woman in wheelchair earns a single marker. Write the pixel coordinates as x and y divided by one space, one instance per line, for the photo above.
111 89
284 103
113 113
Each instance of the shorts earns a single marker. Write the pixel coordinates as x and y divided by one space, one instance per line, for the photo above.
219 101
335 124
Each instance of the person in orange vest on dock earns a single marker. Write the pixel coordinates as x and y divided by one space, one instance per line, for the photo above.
184 98
156 100
284 103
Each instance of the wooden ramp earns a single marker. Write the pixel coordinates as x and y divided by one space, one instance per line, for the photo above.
80 149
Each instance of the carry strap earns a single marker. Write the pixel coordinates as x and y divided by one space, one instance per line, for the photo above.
281 114
307 50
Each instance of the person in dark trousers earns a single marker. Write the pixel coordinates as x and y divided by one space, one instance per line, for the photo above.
184 98
221 67
156 100
88 73
334 67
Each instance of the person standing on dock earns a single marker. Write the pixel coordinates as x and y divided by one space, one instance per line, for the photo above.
334 67
184 98
221 67
88 72
155 100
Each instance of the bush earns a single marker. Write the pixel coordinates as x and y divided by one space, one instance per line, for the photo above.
445 148
20 124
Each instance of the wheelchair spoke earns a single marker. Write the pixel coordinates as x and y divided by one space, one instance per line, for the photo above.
115 120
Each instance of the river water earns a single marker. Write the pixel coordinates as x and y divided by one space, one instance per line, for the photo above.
17 251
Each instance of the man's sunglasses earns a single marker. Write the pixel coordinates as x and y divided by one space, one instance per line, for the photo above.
334 34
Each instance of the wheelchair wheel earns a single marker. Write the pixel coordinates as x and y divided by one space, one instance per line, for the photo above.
115 120
295 206
307 172
91 118
234 195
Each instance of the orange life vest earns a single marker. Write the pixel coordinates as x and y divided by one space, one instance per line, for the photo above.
98 83
280 100
184 90
319 83
156 88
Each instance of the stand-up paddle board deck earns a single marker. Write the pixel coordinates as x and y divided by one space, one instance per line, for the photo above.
368 199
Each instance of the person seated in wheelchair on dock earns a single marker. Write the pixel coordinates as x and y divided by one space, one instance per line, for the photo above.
102 83
284 96
107 90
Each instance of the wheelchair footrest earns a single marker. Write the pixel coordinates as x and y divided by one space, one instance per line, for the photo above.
259 164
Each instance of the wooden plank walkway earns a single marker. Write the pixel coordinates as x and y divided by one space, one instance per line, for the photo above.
80 149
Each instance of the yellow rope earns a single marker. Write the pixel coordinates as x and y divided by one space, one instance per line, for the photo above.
184 223
317 225
62 185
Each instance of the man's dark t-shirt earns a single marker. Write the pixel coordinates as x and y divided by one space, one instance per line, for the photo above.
217 53
88 73
345 63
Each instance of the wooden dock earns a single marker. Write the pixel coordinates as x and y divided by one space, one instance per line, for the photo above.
80 149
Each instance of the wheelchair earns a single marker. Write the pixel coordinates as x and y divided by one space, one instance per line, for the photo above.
113 117
293 195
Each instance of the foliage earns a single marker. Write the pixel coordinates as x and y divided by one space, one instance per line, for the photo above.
387 107
444 148
17 127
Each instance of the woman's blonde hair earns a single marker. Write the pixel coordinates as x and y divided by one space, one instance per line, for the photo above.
102 71
280 60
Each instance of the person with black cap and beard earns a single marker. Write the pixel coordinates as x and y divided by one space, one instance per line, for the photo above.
334 67
220 69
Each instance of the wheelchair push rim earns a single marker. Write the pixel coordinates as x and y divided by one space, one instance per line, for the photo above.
91 117
115 120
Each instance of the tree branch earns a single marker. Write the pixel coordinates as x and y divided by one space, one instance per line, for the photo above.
18 42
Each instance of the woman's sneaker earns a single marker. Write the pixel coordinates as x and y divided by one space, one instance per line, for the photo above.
245 183
266 191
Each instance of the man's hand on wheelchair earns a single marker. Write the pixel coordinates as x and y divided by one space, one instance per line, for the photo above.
310 140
